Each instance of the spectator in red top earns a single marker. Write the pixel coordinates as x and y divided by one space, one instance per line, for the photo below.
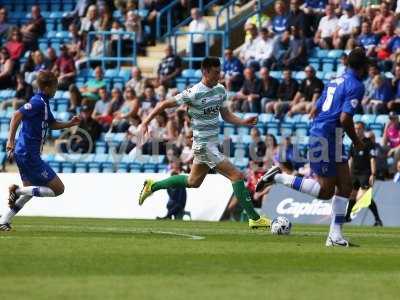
385 16
64 69
14 45
391 138
34 29
382 51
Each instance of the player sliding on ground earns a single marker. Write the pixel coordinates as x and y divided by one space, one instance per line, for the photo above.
206 100
38 179
332 114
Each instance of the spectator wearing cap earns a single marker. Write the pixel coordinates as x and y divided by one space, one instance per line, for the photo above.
64 69
296 55
4 26
248 98
391 139
232 71
286 92
347 27
367 39
14 45
89 91
197 42
309 91
269 87
381 95
137 82
385 16
169 68
33 29
326 28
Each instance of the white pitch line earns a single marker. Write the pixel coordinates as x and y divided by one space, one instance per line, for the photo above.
192 237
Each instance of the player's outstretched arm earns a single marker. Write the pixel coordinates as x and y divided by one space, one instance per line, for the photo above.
61 125
15 121
160 107
235 120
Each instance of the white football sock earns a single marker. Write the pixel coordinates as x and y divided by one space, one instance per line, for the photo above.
301 184
339 207
10 213
36 191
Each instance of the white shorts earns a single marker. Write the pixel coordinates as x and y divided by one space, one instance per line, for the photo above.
207 154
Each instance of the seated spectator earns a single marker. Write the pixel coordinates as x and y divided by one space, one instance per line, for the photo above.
248 49
4 25
90 90
257 147
101 109
133 24
169 68
391 140
147 101
232 71
128 111
394 105
187 154
7 70
197 42
347 28
14 45
97 51
91 21
297 18
137 82
33 29
261 20
271 151
106 18
77 42
23 93
116 41
51 58
373 70
269 88
385 16
295 57
64 69
286 92
73 17
248 98
264 53
383 52
309 91
367 39
326 28
381 95
279 23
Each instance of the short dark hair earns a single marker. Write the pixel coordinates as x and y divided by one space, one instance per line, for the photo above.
209 62
361 123
357 59
46 79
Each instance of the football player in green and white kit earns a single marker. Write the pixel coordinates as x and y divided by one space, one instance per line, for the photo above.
206 100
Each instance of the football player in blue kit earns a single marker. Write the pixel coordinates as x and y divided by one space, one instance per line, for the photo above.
38 179
332 114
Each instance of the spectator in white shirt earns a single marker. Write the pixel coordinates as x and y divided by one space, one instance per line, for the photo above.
326 28
248 49
197 42
265 48
348 26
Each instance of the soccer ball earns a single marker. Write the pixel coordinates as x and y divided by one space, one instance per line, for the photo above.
280 226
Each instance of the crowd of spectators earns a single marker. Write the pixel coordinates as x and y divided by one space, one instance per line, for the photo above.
281 41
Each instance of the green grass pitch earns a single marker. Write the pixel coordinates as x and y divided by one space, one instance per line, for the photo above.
56 258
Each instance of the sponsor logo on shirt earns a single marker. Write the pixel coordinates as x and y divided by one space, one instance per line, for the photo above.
28 106
354 103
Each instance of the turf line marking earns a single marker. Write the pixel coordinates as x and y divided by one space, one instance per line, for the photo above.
189 236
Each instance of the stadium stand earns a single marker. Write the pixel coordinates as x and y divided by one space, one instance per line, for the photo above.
130 44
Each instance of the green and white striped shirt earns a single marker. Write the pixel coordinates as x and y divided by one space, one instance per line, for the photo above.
204 106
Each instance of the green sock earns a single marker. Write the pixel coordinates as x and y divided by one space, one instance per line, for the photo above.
173 181
242 194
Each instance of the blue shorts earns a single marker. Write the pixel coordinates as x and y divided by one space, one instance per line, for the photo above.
33 169
323 163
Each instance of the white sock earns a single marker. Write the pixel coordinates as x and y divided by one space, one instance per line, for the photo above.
301 184
339 207
10 213
36 191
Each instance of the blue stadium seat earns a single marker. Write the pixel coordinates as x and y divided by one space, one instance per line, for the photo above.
101 147
335 54
81 167
94 167
265 118
56 166
150 168
55 15
229 129
135 168
188 73
320 74
315 65
357 118
272 128
123 168
125 74
107 167
67 167
301 129
368 119
377 129
276 74
321 53
242 130
111 73
197 74
286 129
300 75
329 75
162 168
327 67
2 158
382 119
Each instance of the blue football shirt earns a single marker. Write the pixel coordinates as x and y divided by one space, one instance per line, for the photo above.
36 119
342 94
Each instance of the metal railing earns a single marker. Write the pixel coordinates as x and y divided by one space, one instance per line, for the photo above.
165 23
122 43
211 38
229 8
